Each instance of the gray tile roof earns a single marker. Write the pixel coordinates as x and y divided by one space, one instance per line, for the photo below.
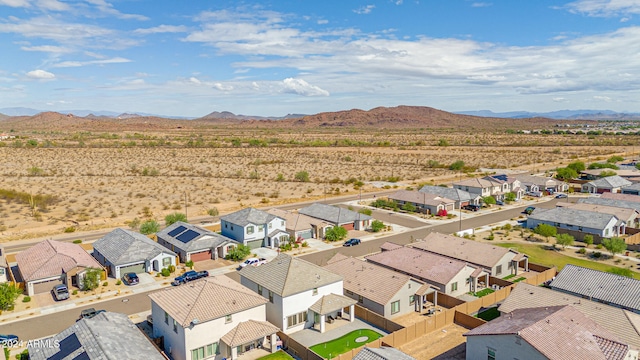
622 323
557 332
297 221
540 181
621 213
205 240
481 183
382 353
122 247
569 216
635 186
618 196
611 202
330 303
206 299
610 182
449 193
248 216
602 286
286 275
333 214
107 336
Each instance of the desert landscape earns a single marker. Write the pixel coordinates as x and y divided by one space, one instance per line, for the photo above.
64 173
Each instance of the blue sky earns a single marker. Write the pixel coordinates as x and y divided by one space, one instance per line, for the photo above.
189 58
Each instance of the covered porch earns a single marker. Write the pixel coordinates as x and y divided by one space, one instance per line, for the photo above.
331 308
520 260
422 296
479 280
248 336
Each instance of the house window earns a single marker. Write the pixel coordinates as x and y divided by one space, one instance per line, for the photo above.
315 291
166 262
491 354
166 318
454 286
281 223
409 286
227 319
395 307
260 228
606 232
270 296
259 289
270 225
498 269
360 299
212 349
412 299
349 292
197 354
296 319
250 229
231 227
175 326
225 225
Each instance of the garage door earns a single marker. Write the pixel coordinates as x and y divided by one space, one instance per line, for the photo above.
46 286
201 256
308 234
254 244
135 268
348 226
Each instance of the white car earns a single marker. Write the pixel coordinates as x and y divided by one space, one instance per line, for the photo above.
253 262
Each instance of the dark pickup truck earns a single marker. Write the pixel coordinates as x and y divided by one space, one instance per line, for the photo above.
189 276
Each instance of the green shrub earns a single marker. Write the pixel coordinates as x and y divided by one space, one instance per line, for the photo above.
238 253
78 241
597 254
365 211
70 229
582 251
105 283
26 299
335 233
189 264
172 268
377 225
305 244
75 292
119 282
165 272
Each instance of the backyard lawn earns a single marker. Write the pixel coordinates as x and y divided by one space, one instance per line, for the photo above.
489 314
279 355
483 292
539 255
341 345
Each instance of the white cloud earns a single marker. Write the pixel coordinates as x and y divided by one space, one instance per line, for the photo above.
301 87
15 3
604 8
364 9
47 48
222 87
602 98
481 4
162 29
108 9
322 22
560 99
399 2
65 64
40 75
53 5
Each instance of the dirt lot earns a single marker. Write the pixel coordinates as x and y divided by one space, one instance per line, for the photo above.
95 181
444 344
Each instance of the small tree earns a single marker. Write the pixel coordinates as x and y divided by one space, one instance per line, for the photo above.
614 245
545 230
91 279
213 211
408 207
442 212
588 240
174 218
607 173
302 176
615 159
377 225
457 165
335 233
489 200
8 295
564 240
238 253
189 264
510 197
365 211
149 227
578 166
566 174
621 271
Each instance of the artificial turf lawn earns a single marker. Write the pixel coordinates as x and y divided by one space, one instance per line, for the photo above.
489 314
279 355
483 292
539 255
344 343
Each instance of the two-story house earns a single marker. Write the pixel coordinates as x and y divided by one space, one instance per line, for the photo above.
211 317
254 228
299 294
482 186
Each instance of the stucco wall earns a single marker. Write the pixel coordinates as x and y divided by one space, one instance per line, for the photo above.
505 347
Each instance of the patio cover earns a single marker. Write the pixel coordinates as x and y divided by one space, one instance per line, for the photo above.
247 331
330 303
425 289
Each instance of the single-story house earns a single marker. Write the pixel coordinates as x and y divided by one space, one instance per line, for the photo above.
497 260
300 294
620 322
215 318
483 187
633 189
50 263
555 333
623 197
107 335
254 228
607 288
534 183
611 184
301 227
460 197
423 202
337 216
379 289
603 225
448 276
123 251
194 243
628 215
593 174
607 201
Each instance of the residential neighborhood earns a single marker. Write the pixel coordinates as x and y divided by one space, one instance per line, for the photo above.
295 300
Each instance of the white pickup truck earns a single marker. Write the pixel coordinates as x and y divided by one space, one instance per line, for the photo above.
253 262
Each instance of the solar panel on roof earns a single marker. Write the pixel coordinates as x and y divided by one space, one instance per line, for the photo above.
67 346
188 236
502 177
82 356
177 231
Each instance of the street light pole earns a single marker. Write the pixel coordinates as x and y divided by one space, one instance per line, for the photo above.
185 206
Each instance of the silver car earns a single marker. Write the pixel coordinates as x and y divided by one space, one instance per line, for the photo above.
60 292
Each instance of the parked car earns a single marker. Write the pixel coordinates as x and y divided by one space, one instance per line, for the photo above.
60 292
529 210
9 341
130 279
534 193
352 242
189 276
471 207
500 202
561 196
253 262
89 313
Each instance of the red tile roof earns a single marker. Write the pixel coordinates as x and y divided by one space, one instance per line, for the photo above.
51 258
